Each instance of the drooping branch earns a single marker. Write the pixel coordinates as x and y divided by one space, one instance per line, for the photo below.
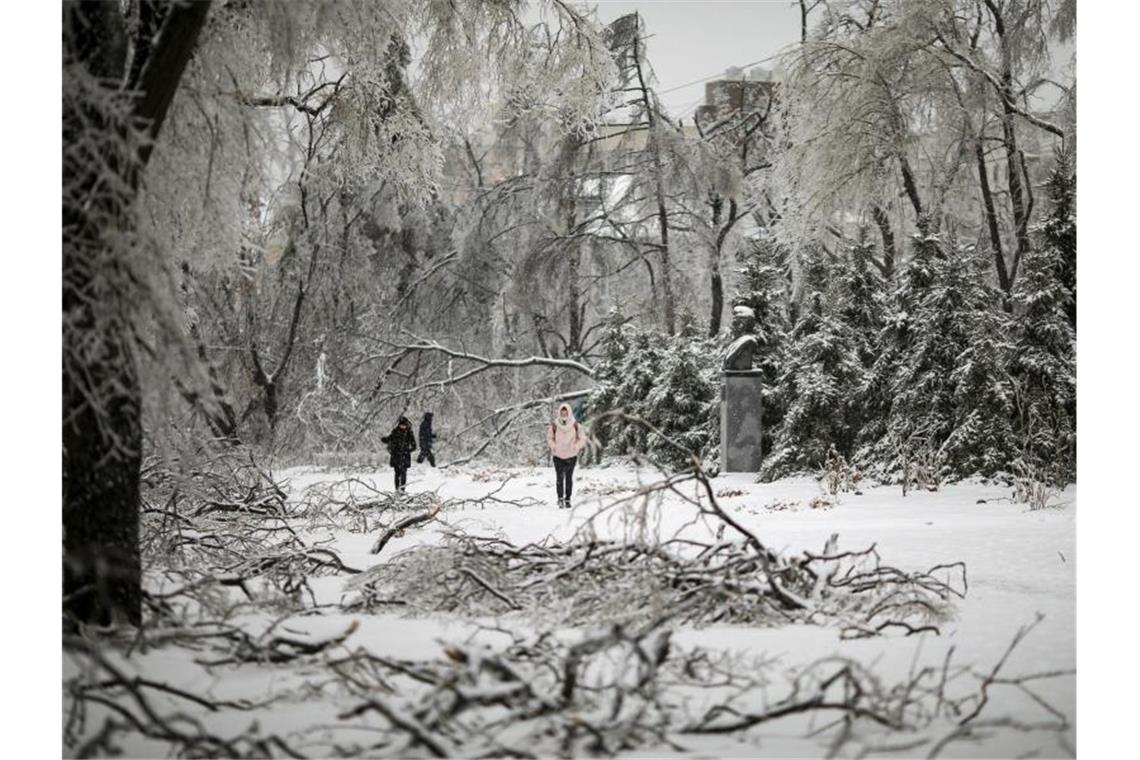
485 363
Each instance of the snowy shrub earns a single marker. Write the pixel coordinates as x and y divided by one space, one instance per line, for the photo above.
1031 486
837 474
672 383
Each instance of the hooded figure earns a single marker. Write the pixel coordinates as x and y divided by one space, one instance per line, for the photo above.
401 444
427 440
565 439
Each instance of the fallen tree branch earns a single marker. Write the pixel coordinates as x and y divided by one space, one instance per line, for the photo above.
408 522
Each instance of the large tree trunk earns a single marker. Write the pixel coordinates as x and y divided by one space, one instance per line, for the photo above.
1020 192
716 280
574 305
659 195
102 429
717 286
991 218
102 454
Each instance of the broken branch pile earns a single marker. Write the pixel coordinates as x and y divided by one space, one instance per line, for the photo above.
598 581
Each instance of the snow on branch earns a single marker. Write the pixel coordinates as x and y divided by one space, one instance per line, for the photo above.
424 345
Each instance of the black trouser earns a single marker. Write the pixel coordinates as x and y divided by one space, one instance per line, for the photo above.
401 476
564 476
426 454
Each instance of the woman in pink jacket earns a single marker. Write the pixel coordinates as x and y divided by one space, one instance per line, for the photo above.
565 439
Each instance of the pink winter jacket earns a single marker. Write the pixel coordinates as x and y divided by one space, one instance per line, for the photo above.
565 440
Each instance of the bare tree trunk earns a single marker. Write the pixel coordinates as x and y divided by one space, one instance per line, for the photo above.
102 430
1015 167
717 299
1017 194
991 218
911 188
574 348
659 195
570 245
219 412
883 222
717 281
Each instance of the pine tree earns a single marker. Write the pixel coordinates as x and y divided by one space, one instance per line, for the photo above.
818 384
622 376
862 307
982 438
825 378
879 446
1059 230
1044 363
670 382
684 402
945 356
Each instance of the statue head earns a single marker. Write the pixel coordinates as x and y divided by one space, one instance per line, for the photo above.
739 354
743 320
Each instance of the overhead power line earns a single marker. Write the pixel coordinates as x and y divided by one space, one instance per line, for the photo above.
711 77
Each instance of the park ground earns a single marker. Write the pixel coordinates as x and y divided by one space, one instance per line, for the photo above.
1021 572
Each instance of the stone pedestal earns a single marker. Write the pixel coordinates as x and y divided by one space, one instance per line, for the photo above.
740 399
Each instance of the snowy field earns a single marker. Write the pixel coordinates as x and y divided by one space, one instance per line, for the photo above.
1020 564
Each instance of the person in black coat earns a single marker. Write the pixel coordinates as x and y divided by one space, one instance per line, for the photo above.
401 443
427 440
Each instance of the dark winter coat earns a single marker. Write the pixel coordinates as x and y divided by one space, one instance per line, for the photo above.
401 443
427 437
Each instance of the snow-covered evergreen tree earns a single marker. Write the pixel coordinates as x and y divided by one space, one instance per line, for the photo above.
684 403
862 306
824 381
1044 358
818 383
670 382
1059 229
764 290
944 362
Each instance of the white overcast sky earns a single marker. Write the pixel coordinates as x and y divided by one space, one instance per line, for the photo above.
698 39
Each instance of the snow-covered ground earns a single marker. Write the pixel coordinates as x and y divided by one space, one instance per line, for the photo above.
1020 564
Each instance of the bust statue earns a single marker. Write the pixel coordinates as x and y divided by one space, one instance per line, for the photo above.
738 356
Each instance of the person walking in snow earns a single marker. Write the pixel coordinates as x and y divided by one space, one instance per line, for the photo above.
401 443
427 440
565 439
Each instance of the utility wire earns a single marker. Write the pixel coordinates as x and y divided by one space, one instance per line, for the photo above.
711 77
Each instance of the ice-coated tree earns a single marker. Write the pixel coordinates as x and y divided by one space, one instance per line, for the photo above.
118 87
327 70
907 112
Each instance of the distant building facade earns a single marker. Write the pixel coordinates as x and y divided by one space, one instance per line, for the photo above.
737 93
